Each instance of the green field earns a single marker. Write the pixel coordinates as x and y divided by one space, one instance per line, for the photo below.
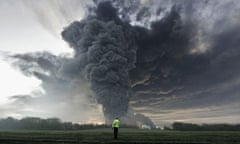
126 136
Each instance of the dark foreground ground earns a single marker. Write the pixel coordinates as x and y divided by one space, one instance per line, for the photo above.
126 136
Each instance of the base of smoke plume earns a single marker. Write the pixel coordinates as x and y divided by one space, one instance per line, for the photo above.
132 118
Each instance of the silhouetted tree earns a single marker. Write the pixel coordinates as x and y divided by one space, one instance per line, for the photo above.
205 127
35 123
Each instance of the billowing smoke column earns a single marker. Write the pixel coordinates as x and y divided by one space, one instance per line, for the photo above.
115 56
106 50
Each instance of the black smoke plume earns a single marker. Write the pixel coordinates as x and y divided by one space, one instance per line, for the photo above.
106 50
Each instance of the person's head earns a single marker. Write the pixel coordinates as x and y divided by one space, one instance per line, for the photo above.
116 118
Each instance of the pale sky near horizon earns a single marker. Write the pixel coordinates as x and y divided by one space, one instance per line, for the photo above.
20 32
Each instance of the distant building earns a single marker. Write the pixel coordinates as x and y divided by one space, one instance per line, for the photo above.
145 127
158 127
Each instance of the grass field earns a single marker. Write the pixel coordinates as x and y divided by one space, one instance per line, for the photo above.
126 136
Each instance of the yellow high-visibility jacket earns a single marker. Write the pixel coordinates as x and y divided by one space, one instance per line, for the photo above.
116 123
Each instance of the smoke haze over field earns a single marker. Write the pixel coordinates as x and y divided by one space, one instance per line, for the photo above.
141 60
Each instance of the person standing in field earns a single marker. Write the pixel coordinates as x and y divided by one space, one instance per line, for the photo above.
115 126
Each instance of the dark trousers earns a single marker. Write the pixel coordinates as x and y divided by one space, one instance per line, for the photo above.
115 133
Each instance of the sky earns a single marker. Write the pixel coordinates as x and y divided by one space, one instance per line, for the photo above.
183 67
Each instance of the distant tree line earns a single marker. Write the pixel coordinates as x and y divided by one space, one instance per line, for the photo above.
35 123
204 127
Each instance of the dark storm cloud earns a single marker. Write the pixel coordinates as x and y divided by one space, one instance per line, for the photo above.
64 94
46 61
125 8
21 98
186 51
45 67
49 69
167 64
163 57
